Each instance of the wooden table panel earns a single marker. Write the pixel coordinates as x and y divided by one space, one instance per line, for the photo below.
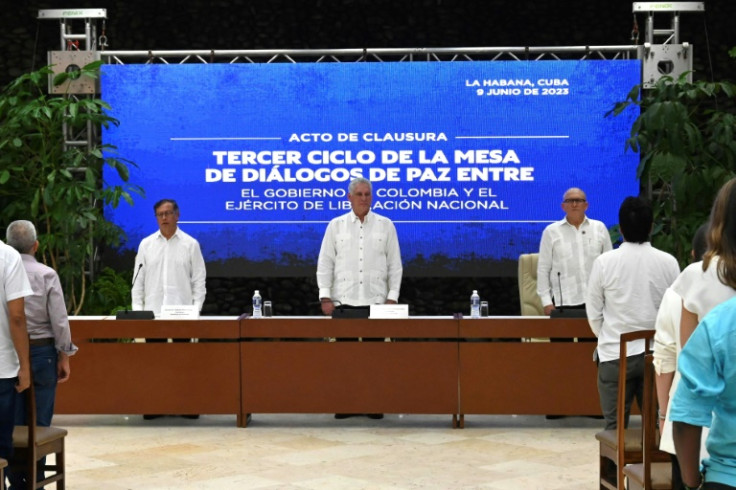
349 377
499 374
528 378
288 366
109 376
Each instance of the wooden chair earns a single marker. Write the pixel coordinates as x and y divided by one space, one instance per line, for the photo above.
31 443
3 464
621 446
655 470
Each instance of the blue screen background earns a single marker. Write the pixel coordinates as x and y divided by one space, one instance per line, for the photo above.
173 118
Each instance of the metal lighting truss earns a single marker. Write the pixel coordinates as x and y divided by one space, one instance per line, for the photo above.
370 55
78 49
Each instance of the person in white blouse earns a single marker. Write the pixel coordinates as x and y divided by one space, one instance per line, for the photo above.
360 260
703 286
666 351
707 284
566 254
169 267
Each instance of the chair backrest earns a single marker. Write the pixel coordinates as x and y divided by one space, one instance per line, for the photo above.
30 405
32 443
655 469
529 300
3 464
648 337
650 434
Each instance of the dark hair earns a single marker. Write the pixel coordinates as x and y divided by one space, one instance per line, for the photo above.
635 219
722 234
164 201
700 242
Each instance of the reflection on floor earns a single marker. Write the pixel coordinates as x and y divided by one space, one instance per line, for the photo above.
296 451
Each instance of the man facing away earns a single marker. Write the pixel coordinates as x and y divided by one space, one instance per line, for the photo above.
48 328
360 260
625 289
15 364
566 254
169 267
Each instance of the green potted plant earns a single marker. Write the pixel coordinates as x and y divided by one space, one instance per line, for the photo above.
685 135
59 187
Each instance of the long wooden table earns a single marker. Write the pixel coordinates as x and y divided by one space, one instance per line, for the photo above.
432 365
113 374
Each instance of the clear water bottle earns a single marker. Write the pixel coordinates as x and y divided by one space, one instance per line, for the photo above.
257 305
475 305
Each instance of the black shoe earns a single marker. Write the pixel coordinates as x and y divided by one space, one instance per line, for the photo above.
374 416
341 416
193 417
149 416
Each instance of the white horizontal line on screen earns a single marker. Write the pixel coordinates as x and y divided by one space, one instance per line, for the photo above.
324 222
478 221
249 138
530 137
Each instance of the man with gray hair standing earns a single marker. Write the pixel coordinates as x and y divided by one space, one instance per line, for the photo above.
48 328
360 260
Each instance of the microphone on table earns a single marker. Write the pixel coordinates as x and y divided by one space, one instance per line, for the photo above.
135 314
560 311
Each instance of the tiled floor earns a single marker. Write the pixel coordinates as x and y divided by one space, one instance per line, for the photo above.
318 452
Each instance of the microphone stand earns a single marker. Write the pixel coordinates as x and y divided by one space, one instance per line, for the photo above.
135 314
559 285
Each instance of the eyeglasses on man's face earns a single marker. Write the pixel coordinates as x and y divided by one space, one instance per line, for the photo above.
165 214
574 201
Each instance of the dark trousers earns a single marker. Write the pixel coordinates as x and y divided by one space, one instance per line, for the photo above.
45 376
7 412
608 387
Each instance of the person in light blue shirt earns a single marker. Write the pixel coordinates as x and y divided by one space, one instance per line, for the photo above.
706 397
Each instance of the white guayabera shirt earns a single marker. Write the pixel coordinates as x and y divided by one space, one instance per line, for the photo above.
169 272
566 256
360 263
